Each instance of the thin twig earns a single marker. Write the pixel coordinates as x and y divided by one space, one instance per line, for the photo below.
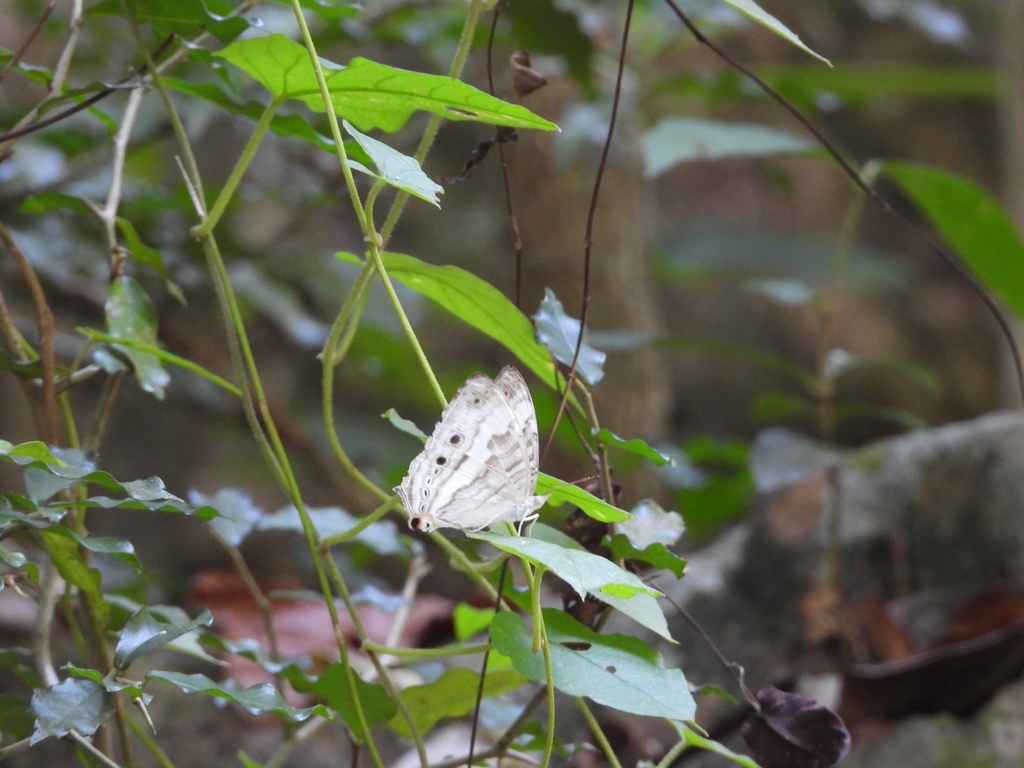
592 214
20 53
46 325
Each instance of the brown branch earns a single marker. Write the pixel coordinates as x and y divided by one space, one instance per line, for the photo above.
45 323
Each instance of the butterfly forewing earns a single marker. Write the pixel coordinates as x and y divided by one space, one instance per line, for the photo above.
481 461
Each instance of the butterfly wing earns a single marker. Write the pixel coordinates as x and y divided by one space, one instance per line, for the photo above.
522 463
462 477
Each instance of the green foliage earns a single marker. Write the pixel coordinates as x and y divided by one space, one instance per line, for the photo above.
203 69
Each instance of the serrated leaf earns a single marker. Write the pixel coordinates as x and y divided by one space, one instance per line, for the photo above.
474 301
146 631
63 552
972 221
618 671
130 314
367 94
682 139
79 705
635 445
451 695
107 545
560 334
561 492
109 684
589 574
754 11
183 17
394 168
256 700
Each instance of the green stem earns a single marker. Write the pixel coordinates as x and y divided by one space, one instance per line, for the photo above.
406 325
241 166
428 653
354 531
338 341
598 733
149 742
692 739
465 44
549 675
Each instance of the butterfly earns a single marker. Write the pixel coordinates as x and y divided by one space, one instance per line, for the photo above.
480 465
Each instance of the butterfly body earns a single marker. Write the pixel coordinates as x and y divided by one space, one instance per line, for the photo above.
480 464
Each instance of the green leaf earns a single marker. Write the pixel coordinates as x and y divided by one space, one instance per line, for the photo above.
75 467
29 370
650 523
183 17
15 717
146 631
469 620
376 703
755 12
474 301
618 671
403 425
772 405
130 315
142 253
164 355
367 94
562 492
18 561
45 202
634 445
589 574
973 222
79 705
63 552
328 10
293 125
726 488
237 513
247 762
110 685
683 139
256 700
394 168
451 695
656 554
560 334
107 545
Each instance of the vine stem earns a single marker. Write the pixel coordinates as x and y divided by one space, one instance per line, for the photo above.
430 133
595 728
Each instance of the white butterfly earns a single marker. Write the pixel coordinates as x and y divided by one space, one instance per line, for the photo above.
480 465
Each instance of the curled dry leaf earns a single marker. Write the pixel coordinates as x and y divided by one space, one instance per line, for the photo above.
525 79
793 732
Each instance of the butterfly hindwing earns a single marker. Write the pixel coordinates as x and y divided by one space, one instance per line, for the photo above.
480 463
